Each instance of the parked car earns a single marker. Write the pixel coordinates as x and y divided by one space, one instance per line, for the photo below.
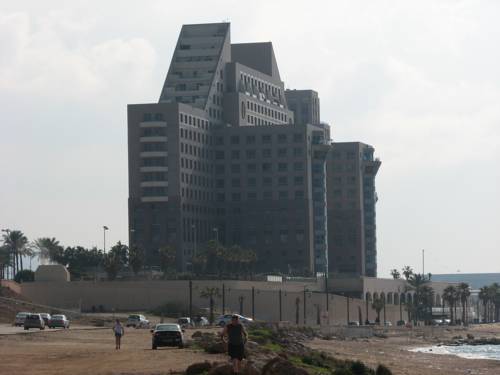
437 322
370 323
34 321
401 323
19 320
447 321
58 321
185 322
46 318
354 323
137 321
387 323
224 319
168 334
201 321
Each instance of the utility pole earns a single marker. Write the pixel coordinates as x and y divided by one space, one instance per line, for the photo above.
105 228
253 303
423 262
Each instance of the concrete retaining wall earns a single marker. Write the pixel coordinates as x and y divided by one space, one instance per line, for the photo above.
145 295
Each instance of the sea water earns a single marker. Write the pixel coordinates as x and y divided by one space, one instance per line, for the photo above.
464 351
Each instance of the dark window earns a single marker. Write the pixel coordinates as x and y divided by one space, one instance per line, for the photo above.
235 140
266 138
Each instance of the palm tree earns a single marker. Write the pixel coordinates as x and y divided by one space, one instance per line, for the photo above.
449 295
395 274
463 292
423 297
167 259
484 298
407 271
378 305
49 249
16 242
5 261
210 293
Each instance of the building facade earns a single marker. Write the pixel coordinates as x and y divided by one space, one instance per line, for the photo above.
351 200
228 154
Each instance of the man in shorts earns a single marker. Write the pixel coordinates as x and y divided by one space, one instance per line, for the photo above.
235 335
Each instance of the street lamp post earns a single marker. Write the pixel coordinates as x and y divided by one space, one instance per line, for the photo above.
194 239
104 229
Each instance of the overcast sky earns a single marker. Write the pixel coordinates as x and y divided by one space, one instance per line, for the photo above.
418 80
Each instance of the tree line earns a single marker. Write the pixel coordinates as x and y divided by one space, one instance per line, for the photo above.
489 295
455 296
213 259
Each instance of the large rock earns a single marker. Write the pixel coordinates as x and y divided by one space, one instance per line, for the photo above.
249 368
282 366
224 369
198 368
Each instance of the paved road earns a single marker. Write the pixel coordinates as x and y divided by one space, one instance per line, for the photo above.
7 329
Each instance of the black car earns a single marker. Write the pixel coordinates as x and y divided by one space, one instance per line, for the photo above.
167 335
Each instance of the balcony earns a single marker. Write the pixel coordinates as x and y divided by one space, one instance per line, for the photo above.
157 138
154 169
151 154
154 183
153 124
154 199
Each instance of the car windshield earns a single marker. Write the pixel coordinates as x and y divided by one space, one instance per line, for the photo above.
134 317
167 327
58 317
22 314
33 317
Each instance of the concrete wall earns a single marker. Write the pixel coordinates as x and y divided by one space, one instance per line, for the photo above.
130 296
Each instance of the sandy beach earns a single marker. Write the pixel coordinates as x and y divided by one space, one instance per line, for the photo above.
92 352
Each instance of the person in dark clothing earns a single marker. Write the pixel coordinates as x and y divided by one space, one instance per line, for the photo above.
235 335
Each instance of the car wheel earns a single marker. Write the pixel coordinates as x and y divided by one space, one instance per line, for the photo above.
154 347
181 345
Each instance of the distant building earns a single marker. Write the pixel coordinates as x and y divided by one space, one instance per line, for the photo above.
351 199
228 154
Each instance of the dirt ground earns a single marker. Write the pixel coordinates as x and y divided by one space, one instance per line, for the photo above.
393 352
92 352
78 352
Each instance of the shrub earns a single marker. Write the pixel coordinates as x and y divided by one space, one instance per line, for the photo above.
24 276
382 370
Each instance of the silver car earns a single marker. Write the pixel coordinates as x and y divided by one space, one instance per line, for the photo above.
58 321
19 320
34 321
137 321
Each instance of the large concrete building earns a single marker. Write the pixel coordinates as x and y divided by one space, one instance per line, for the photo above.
227 153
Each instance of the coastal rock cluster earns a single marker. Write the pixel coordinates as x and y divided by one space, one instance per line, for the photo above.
277 351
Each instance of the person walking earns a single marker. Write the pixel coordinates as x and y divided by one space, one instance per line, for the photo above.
236 336
119 331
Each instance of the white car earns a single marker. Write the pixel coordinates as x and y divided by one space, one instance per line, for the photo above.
137 321
20 317
225 319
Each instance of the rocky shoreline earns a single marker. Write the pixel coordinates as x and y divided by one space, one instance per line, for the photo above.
471 340
276 351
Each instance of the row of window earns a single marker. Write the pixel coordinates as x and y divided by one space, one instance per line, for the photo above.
266 111
266 182
147 117
266 195
344 167
195 194
351 193
349 180
196 151
196 136
197 165
154 146
196 180
265 138
260 84
154 191
194 121
154 176
154 162
153 132
265 167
